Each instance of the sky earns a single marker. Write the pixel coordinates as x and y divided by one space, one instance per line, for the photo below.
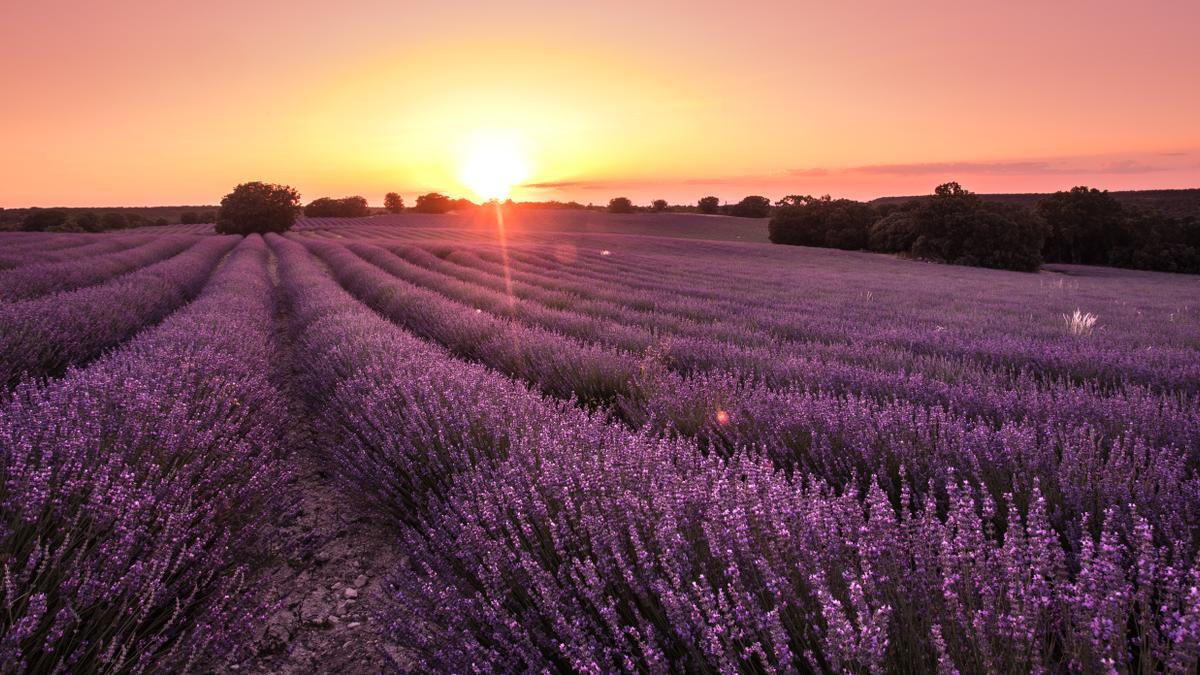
156 103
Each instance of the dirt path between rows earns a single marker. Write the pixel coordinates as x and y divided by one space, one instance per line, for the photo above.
331 560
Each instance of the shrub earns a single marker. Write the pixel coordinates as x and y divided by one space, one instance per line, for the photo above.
754 206
620 205
208 217
346 207
709 205
258 207
40 220
659 205
189 218
434 202
826 222
393 202
87 221
114 220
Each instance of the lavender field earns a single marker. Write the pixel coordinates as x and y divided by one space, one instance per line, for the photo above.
405 443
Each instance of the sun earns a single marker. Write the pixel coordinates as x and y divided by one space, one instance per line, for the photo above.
492 163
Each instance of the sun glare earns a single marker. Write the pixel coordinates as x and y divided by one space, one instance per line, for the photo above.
492 164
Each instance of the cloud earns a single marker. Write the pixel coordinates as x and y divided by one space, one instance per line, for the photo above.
1128 166
814 171
969 168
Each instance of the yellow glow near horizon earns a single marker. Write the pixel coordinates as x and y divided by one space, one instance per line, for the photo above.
492 163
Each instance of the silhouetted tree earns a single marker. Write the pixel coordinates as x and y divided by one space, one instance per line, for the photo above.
258 207
659 205
709 205
754 206
208 217
895 232
41 220
346 207
88 221
958 227
393 202
160 222
620 205
114 220
189 218
434 202
826 222
136 220
1083 226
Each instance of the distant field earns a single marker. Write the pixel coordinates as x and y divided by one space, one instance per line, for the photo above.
533 222
409 443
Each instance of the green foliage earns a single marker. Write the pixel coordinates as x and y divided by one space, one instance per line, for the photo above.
958 227
1083 226
826 222
258 207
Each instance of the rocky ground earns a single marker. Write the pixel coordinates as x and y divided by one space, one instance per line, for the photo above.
329 566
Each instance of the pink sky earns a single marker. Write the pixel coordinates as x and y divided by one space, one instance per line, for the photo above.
167 103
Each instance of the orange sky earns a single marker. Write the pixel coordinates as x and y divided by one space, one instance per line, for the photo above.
167 103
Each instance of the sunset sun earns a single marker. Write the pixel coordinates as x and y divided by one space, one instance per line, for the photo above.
492 163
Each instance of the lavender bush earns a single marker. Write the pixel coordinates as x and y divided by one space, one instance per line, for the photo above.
135 492
45 335
829 532
30 281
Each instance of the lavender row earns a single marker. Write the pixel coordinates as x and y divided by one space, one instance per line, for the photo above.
52 248
30 281
544 538
1011 332
43 336
1133 414
557 364
833 436
137 491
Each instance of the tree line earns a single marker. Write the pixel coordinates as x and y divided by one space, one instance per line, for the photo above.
1082 226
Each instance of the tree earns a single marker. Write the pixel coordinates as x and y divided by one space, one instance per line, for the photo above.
114 220
87 221
346 207
754 206
659 205
393 202
208 217
620 205
161 222
709 205
434 202
41 220
258 207
189 218
1083 226
825 222
958 227
893 233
